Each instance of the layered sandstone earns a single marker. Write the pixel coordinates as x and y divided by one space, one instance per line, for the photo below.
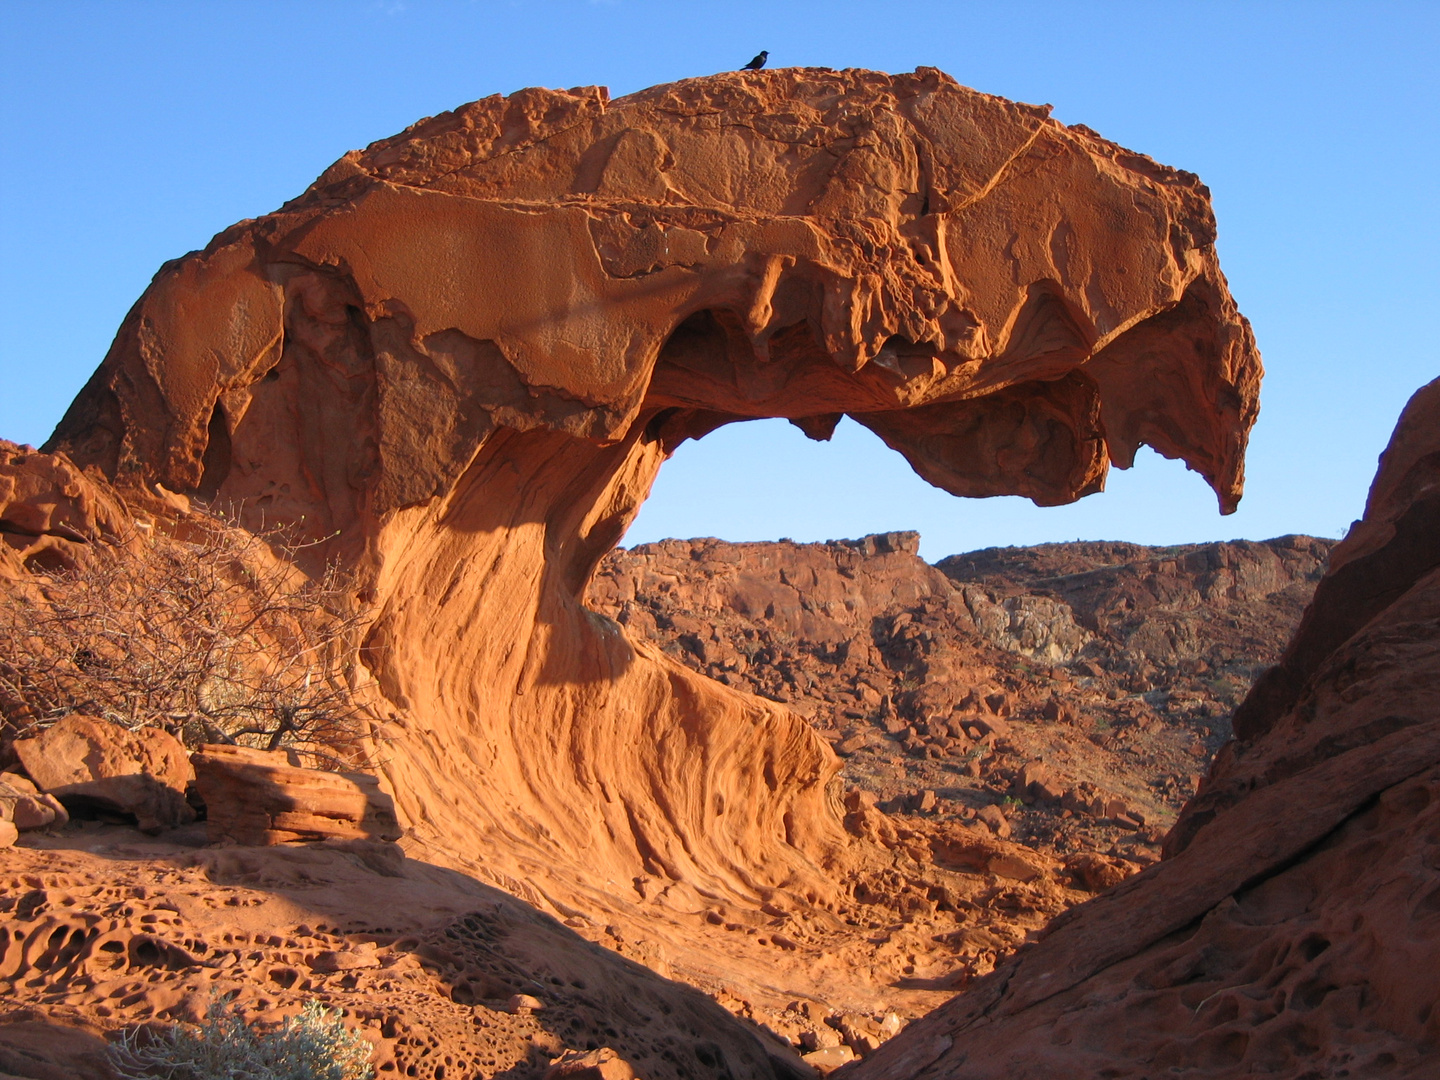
1295 929
457 361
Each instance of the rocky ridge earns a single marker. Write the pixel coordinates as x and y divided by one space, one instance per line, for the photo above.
1070 694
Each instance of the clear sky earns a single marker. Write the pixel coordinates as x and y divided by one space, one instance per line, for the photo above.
133 131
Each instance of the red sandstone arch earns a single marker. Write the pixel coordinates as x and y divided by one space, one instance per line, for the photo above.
463 354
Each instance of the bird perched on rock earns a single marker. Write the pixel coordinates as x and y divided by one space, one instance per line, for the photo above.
758 62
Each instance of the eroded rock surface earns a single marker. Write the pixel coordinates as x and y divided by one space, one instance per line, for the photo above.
105 928
464 352
1295 929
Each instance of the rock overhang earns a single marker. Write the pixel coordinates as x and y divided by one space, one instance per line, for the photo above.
1010 303
457 362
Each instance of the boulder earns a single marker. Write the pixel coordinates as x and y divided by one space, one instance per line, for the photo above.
601 1064
8 833
90 763
258 797
995 818
829 1059
24 807
1094 872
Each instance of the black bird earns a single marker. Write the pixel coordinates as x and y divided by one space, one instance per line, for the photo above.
758 62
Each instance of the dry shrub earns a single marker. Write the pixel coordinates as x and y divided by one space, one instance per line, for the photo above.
215 639
315 1045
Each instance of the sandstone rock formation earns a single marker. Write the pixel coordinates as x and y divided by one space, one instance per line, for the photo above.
49 509
457 361
107 928
92 763
1295 929
258 797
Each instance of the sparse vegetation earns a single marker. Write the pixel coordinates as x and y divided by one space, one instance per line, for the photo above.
214 639
315 1045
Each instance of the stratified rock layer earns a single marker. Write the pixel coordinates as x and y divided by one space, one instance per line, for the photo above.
458 360
258 797
1295 931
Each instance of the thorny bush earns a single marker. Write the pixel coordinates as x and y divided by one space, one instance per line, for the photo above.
219 639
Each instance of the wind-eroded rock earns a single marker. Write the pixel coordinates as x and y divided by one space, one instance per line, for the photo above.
457 361
1295 929
1090 681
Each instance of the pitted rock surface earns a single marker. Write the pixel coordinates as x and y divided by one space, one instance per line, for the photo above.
1295 928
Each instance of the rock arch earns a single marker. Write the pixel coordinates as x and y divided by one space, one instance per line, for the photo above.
461 356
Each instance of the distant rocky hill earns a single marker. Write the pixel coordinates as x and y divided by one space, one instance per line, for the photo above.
1076 690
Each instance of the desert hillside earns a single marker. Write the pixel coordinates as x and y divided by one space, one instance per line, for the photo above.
1079 690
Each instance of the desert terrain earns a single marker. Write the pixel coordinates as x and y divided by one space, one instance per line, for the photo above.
323 680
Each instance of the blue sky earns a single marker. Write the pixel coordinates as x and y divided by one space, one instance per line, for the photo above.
132 132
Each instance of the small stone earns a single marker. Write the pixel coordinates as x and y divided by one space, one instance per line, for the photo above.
523 1004
8 834
996 820
1095 873
829 1059
856 800
821 1038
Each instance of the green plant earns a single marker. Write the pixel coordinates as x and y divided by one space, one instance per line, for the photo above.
1011 802
315 1045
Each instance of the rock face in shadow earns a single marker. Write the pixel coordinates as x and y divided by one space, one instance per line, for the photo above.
422 960
457 361
1295 929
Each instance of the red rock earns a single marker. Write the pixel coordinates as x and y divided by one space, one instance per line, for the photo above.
256 798
829 1059
51 511
602 1064
88 761
1269 890
331 960
996 820
471 385
457 362
1096 873
27 810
